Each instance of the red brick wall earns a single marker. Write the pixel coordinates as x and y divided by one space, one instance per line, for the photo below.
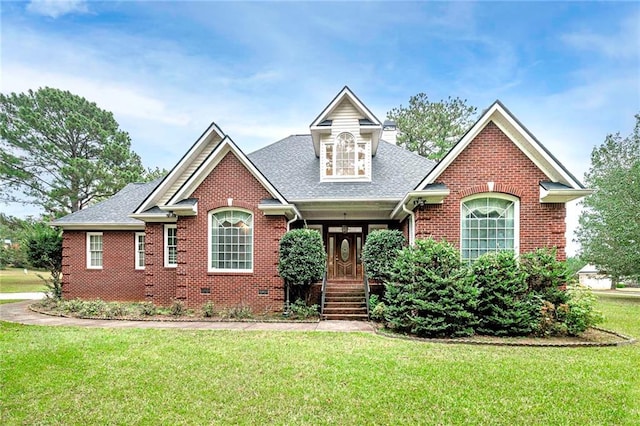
492 157
159 282
230 179
118 280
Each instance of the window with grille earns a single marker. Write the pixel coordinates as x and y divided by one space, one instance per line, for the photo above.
170 246
489 224
344 157
139 257
94 250
231 241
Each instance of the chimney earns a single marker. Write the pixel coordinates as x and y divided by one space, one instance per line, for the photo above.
389 131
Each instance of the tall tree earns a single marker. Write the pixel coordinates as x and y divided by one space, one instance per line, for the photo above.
61 152
609 229
432 128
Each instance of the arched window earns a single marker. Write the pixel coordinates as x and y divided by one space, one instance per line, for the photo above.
489 223
346 158
231 241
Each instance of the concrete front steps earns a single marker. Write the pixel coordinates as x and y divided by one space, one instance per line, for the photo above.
345 300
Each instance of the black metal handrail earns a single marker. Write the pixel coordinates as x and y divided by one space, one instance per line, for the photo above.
366 292
324 290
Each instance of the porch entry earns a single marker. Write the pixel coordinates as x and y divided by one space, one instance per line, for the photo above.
344 253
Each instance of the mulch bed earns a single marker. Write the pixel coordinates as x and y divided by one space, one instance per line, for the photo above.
593 337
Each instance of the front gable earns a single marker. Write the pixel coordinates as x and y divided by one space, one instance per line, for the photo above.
173 197
346 113
498 115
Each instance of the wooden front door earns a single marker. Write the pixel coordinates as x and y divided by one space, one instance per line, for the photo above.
343 255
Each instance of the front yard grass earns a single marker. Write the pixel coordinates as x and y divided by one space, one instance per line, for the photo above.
14 280
65 375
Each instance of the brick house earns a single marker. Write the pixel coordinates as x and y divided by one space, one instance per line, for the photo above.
209 230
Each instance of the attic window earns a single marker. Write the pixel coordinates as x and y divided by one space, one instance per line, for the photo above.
344 157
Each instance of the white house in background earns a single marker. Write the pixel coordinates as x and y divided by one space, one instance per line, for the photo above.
589 276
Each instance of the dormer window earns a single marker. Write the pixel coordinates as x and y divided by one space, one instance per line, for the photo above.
346 159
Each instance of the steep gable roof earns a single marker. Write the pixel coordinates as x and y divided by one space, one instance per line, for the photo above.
519 135
368 122
203 156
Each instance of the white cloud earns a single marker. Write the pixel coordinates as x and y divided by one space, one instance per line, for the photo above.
620 43
113 96
57 8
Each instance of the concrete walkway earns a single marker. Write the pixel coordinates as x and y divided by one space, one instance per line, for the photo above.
22 296
19 312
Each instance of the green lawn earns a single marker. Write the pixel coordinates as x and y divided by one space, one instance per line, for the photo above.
14 280
52 375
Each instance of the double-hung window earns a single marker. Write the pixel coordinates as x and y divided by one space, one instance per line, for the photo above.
139 257
230 241
170 246
489 223
94 250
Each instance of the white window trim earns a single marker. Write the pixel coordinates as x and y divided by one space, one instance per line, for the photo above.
516 216
355 178
137 250
209 242
88 249
166 247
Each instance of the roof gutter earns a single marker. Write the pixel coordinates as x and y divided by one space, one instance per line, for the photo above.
562 195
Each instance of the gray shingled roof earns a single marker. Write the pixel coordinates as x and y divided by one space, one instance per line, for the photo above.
292 167
114 210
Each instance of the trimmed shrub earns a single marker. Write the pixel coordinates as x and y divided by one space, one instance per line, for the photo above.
380 252
543 271
302 260
504 308
430 292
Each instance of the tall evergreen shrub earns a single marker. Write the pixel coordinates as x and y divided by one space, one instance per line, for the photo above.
380 252
302 260
504 306
430 292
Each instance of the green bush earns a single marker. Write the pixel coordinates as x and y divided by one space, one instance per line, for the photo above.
430 292
177 308
378 312
147 309
208 309
374 299
380 252
12 255
543 270
93 308
43 248
302 260
300 310
503 306
241 311
581 313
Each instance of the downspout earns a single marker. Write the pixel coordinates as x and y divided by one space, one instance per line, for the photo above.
295 217
412 224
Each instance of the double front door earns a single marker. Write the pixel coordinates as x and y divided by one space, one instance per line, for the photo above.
344 259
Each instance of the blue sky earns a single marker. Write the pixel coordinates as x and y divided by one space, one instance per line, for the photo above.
569 71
